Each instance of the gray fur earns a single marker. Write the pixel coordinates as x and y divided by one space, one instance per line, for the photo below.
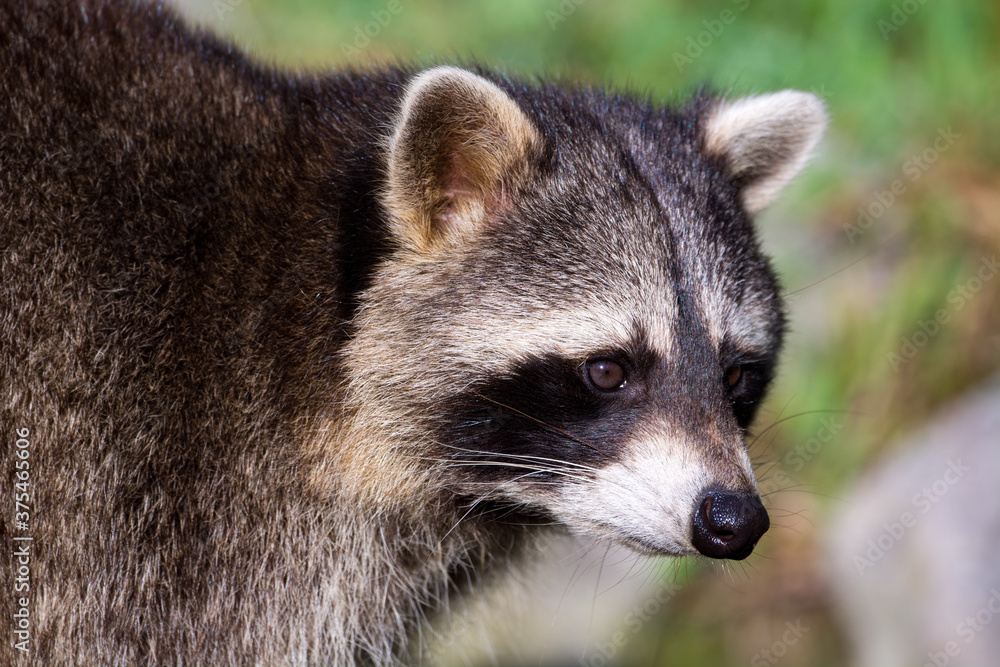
242 338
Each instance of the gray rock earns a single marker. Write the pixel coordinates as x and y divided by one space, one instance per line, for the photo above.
916 553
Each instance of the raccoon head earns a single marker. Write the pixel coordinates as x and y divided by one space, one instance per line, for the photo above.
577 321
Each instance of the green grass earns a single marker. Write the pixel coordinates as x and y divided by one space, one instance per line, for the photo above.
889 96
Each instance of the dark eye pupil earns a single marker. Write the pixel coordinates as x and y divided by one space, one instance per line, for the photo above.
607 375
733 375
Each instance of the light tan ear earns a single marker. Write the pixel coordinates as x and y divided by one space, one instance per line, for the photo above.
460 147
765 140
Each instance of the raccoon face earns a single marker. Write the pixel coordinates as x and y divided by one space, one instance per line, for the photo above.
578 315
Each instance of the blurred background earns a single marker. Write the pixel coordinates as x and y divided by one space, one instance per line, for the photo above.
877 449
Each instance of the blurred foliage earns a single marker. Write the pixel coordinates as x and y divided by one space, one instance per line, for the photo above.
896 75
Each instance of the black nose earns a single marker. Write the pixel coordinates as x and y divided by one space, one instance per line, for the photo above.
728 525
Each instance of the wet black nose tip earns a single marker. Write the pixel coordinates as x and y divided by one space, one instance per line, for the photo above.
728 525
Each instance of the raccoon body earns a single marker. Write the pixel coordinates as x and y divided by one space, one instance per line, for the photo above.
299 356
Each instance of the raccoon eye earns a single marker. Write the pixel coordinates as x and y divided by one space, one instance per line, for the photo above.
606 375
733 376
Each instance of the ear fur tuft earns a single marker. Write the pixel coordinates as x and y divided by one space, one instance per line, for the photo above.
765 140
460 146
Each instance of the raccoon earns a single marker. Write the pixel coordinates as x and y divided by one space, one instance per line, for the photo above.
290 359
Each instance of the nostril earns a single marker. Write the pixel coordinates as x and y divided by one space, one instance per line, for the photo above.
728 525
715 521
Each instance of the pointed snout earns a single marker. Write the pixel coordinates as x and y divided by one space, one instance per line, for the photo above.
728 524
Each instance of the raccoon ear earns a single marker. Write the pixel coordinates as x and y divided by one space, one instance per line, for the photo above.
461 145
765 140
